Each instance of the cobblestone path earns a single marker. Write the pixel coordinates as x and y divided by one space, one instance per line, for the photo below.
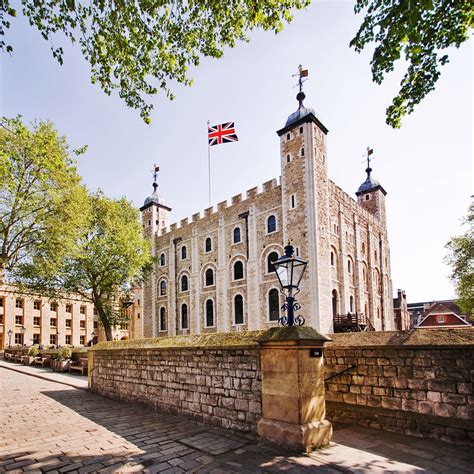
49 427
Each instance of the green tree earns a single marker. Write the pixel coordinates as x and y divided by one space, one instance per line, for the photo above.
418 29
136 48
109 256
461 259
40 192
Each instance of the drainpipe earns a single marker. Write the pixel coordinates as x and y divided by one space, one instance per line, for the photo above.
245 216
175 243
382 300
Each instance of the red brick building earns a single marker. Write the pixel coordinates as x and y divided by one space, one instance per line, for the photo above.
446 314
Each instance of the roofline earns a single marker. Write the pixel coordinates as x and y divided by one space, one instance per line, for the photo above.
146 206
309 117
375 188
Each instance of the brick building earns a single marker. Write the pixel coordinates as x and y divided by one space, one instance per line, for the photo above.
35 319
214 272
445 314
401 313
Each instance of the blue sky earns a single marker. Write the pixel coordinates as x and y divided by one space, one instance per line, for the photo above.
426 167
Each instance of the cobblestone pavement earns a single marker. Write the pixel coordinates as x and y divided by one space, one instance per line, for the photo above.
50 427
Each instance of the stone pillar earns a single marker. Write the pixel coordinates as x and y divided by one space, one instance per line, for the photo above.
293 401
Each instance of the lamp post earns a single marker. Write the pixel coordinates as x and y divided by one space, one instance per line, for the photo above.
10 333
23 330
289 269
57 340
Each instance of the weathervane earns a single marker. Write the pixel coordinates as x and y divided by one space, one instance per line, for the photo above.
300 74
155 170
370 151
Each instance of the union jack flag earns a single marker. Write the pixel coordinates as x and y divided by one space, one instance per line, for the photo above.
222 133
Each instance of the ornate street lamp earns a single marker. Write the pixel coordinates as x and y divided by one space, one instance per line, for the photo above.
10 333
289 269
93 337
23 330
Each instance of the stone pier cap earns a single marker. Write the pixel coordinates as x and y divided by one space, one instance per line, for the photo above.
293 333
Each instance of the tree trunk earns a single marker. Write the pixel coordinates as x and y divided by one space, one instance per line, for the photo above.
108 332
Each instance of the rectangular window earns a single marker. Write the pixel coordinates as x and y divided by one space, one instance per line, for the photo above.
82 310
68 339
53 307
1 302
292 201
19 339
1 318
37 305
68 308
440 319
82 340
52 339
36 339
19 320
19 303
96 324
82 324
52 322
68 323
36 321
96 313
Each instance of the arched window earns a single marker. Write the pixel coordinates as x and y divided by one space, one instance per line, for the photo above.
237 235
375 256
366 309
184 283
363 248
162 260
273 305
184 252
209 313
162 287
349 266
271 224
209 277
238 270
271 259
238 310
184 316
351 304
334 303
162 319
208 245
332 259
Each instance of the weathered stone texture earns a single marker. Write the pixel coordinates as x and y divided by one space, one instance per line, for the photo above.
417 390
220 387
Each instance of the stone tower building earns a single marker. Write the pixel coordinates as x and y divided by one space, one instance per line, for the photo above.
214 272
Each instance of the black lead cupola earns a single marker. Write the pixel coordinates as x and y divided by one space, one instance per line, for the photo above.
370 184
303 114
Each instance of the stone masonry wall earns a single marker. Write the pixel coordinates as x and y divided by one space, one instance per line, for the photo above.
217 386
405 386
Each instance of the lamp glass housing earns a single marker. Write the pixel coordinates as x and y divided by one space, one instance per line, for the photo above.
290 269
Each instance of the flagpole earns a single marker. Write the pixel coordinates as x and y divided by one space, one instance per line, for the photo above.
209 162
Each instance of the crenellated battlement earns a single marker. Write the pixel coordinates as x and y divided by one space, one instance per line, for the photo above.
238 199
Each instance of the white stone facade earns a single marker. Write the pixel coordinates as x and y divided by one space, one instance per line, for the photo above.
345 242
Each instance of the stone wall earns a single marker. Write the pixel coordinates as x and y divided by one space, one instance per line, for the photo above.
216 385
415 382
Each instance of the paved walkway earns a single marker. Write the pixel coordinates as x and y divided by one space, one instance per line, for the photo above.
46 373
49 427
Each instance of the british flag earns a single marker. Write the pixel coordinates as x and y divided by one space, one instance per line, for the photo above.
222 133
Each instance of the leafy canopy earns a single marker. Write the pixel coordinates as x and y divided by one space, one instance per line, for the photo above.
109 255
417 30
40 192
136 47
461 259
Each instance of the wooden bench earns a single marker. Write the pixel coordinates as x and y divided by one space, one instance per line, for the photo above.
80 366
42 362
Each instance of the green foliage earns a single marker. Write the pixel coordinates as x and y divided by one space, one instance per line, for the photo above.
461 259
137 48
33 351
108 256
418 30
40 194
64 353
